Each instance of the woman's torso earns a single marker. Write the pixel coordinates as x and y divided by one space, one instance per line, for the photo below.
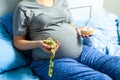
52 22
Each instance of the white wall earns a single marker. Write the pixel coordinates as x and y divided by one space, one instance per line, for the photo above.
112 6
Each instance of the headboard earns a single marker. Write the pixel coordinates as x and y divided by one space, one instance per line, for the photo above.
81 8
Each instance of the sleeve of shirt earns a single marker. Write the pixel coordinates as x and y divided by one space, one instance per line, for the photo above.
19 22
70 18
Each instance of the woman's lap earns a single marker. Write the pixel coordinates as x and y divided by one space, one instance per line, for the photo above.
70 69
67 69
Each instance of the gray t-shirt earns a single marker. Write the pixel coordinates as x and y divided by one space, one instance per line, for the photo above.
41 22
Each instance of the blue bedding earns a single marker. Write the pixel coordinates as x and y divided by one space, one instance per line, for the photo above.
23 73
107 35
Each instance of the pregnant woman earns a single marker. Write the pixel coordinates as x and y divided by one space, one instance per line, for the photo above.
40 19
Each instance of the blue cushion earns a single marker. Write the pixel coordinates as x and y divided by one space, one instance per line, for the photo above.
106 31
7 20
10 58
79 23
23 73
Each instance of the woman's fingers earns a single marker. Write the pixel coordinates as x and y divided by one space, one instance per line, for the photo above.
85 31
57 45
86 36
47 48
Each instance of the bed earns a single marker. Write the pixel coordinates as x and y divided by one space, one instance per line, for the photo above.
15 66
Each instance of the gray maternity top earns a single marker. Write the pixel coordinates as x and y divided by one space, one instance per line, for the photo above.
41 22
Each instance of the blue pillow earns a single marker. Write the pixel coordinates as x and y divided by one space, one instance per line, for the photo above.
7 21
106 31
24 73
10 58
79 23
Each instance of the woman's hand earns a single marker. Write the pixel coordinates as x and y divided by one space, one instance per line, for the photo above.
85 31
46 47
57 46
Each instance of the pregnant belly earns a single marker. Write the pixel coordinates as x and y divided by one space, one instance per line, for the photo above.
70 44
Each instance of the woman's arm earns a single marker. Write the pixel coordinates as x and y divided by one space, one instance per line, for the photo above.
77 29
22 44
72 25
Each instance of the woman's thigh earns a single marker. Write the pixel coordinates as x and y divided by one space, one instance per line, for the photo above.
67 69
107 64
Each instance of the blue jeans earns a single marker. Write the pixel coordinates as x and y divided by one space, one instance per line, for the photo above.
90 65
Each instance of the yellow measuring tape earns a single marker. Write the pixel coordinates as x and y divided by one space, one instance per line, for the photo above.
52 44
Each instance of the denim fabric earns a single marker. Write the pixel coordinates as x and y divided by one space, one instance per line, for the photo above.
90 65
